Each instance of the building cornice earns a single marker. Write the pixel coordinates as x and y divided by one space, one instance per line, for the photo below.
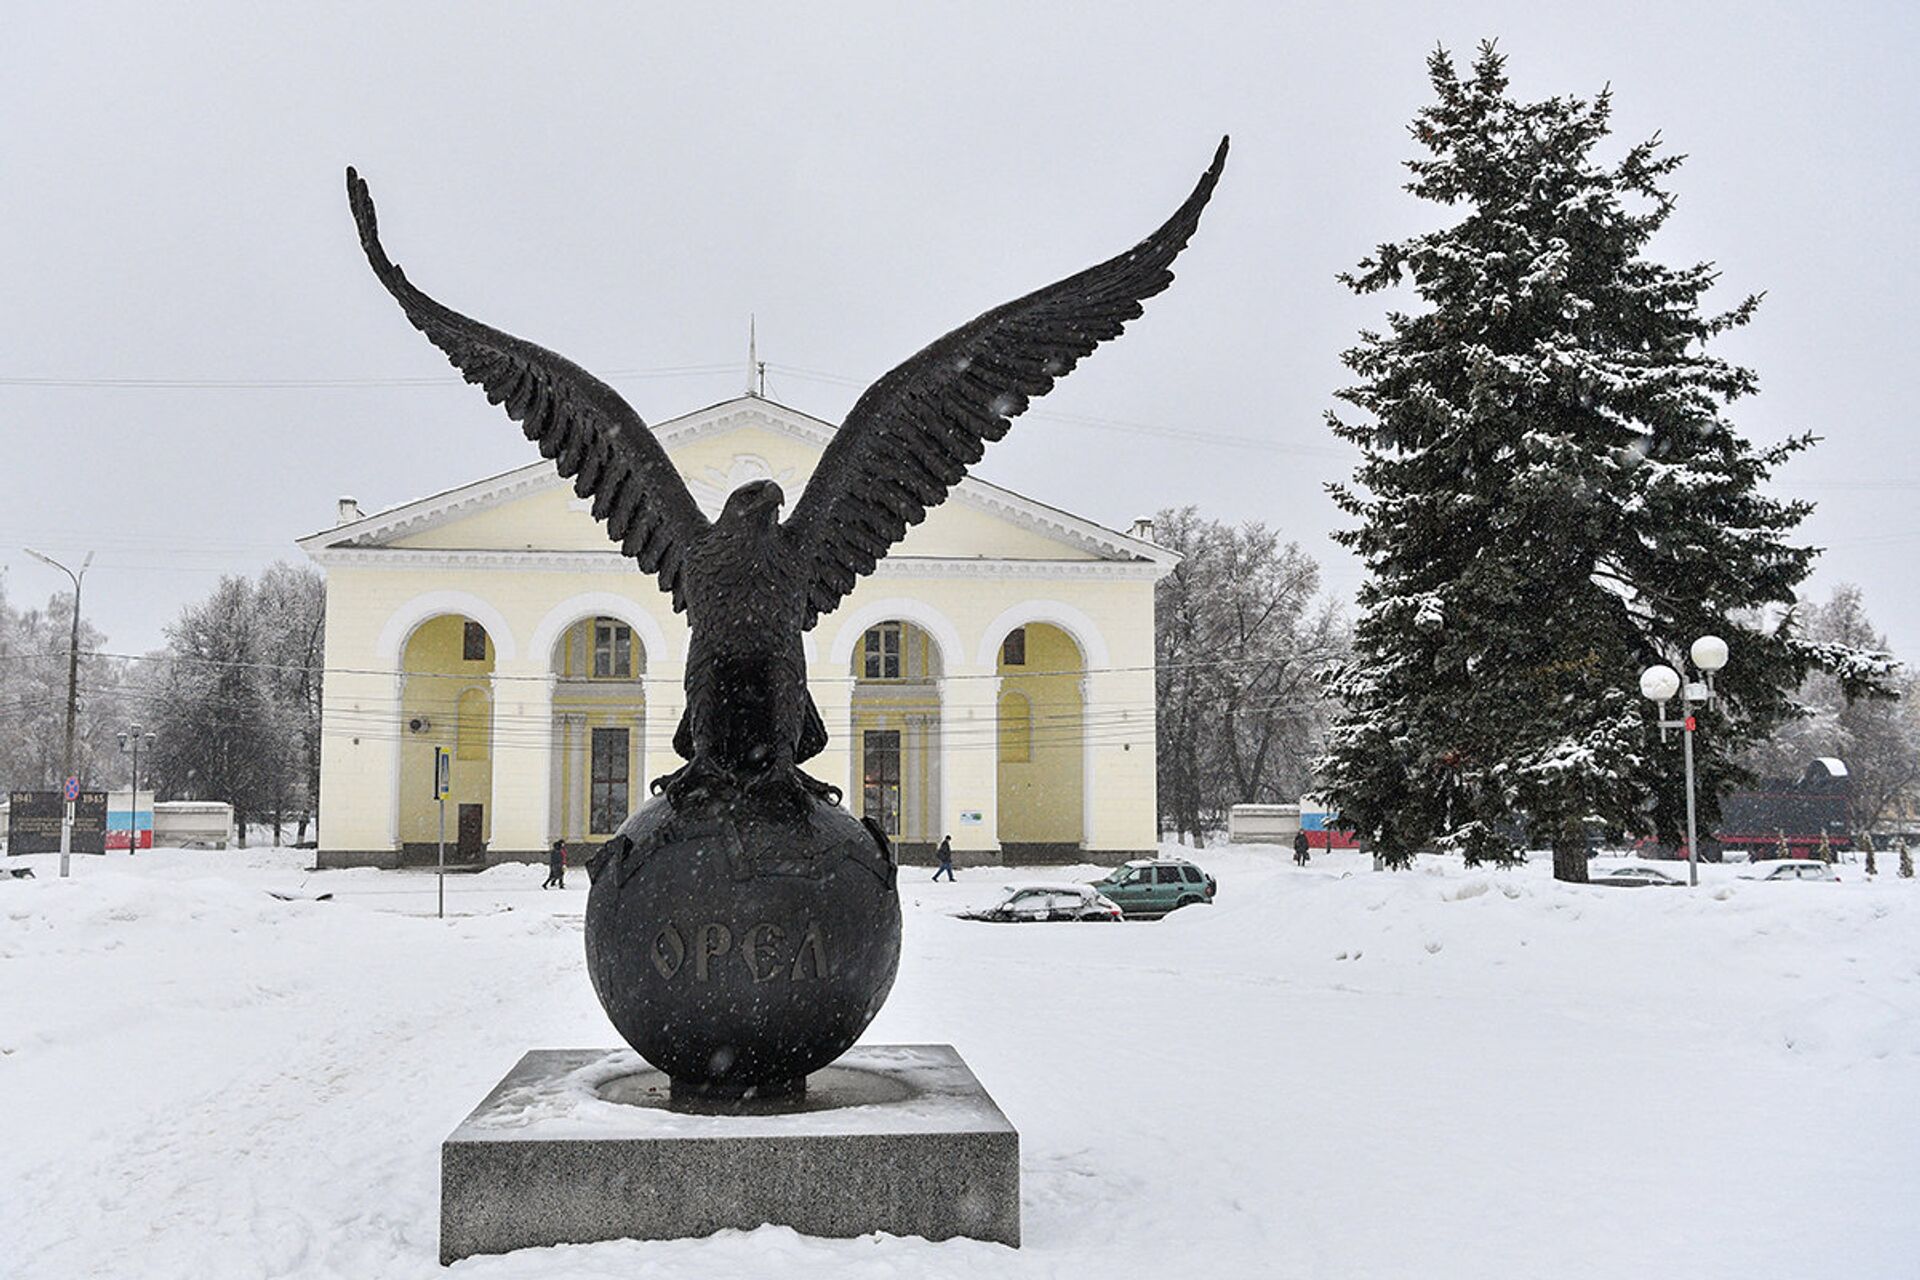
523 561
424 513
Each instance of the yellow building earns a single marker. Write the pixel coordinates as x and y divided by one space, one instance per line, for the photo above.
991 681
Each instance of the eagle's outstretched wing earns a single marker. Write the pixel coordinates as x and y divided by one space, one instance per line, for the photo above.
913 434
593 436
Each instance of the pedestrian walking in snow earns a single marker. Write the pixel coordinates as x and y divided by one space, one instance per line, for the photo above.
557 866
946 859
1301 848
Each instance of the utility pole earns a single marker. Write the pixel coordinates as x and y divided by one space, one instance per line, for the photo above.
131 740
73 697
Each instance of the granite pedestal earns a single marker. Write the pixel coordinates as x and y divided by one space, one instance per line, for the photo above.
579 1145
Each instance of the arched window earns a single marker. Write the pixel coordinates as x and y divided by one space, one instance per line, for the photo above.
1016 728
1013 650
612 649
882 652
470 725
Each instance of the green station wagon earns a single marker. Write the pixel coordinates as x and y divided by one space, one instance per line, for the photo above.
1149 888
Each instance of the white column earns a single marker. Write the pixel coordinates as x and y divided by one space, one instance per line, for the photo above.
522 750
541 724
1087 763
562 731
927 780
399 734
970 759
360 762
579 780
1120 784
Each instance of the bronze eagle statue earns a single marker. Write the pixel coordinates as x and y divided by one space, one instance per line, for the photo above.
750 583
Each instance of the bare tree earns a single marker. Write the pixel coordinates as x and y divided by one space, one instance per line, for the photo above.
1242 636
33 698
290 603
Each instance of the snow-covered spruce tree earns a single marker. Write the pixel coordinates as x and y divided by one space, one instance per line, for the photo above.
1550 499
1866 842
1906 861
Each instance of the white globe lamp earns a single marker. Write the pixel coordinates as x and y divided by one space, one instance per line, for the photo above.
1659 683
1709 653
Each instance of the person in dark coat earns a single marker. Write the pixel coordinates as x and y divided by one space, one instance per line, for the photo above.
557 866
946 859
1300 848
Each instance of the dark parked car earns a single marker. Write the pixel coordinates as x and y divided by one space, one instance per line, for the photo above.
1149 888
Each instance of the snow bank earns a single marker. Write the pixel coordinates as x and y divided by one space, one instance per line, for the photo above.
1329 1072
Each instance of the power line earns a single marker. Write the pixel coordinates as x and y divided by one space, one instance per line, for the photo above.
29 657
600 682
1223 439
1050 725
320 384
1117 424
1115 714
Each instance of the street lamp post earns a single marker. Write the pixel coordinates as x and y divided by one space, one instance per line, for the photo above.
131 741
73 694
1659 684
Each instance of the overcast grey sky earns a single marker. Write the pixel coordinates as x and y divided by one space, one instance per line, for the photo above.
627 183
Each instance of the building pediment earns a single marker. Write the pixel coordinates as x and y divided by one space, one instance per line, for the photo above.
530 515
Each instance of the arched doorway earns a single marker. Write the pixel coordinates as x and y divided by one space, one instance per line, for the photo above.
895 747
1040 740
599 729
446 704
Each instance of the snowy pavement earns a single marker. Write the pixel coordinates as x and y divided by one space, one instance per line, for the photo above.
1332 1072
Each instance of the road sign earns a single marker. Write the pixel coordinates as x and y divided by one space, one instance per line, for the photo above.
442 773
72 790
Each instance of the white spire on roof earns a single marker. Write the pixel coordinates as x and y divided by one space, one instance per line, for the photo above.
756 367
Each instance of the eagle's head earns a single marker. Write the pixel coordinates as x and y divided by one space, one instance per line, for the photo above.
755 503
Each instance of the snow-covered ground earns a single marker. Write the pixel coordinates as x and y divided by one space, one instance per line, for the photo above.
1331 1072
